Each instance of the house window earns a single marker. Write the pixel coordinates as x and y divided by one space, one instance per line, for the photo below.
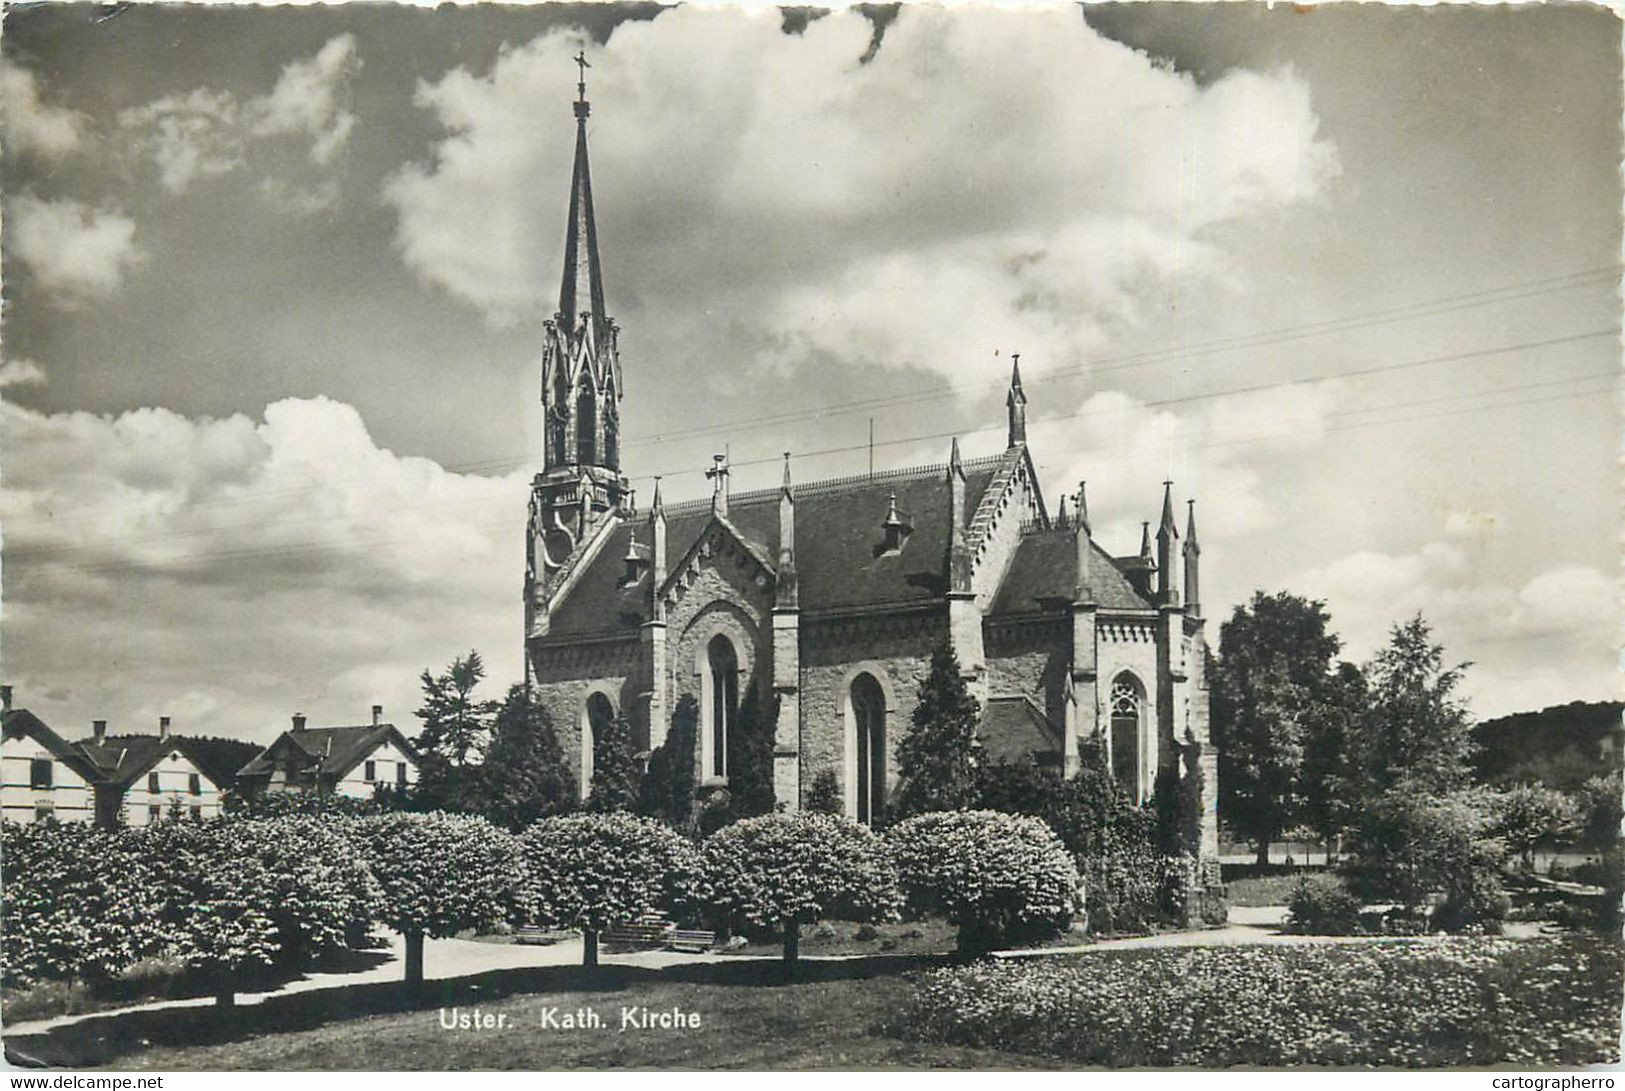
39 773
869 740
721 704
1128 716
370 773
194 784
400 774
155 813
197 810
44 812
152 782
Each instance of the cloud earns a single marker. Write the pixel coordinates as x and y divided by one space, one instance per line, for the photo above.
1042 209
205 133
190 137
30 125
305 100
21 372
237 570
76 252
1552 638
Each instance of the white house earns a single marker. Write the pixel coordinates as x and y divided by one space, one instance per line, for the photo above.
143 779
354 761
42 776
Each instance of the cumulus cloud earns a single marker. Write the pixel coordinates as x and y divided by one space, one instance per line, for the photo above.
1033 214
237 570
205 133
1549 639
22 372
306 100
31 125
76 252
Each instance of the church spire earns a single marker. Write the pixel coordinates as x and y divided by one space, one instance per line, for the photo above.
1016 403
1167 535
1193 554
582 287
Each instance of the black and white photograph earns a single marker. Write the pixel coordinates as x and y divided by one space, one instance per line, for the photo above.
983 537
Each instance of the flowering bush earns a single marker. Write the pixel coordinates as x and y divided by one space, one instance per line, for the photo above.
783 870
990 873
590 871
439 874
318 890
76 902
1322 905
1461 1002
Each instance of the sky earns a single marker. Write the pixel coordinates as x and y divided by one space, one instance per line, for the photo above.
274 281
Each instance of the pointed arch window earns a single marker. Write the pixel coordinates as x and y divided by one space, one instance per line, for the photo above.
596 716
868 704
612 437
721 704
1127 727
586 427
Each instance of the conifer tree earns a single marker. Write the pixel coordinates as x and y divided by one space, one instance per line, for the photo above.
456 730
525 774
936 761
750 757
615 772
667 791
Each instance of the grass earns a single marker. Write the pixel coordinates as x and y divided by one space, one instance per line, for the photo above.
932 936
1261 890
749 1020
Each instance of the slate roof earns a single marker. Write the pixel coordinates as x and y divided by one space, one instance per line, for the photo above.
839 564
1045 567
333 751
1014 729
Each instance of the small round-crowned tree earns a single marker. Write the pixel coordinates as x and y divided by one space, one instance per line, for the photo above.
590 871
784 870
992 874
439 874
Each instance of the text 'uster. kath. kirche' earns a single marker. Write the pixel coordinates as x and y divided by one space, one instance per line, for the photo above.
830 596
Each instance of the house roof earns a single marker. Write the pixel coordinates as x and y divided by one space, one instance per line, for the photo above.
1045 568
122 759
332 751
20 723
839 560
1014 729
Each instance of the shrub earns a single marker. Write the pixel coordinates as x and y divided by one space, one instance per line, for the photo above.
667 789
590 871
936 760
319 892
1409 846
824 794
615 773
1321 905
992 874
1462 1003
1137 890
439 874
783 870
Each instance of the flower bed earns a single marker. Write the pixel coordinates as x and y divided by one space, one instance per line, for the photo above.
1462 1002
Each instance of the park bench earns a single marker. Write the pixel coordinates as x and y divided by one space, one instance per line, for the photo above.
690 940
643 933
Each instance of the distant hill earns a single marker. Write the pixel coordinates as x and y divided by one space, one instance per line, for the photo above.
1561 747
221 758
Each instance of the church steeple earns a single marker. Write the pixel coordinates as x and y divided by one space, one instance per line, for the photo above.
1167 536
583 283
581 482
1016 403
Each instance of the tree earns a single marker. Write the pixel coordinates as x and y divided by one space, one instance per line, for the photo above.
667 789
1328 788
456 730
1270 686
1528 816
780 871
615 773
936 760
750 756
525 776
1410 844
439 874
1601 812
590 871
994 875
1416 731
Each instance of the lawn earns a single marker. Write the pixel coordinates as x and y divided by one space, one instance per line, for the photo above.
1462 1002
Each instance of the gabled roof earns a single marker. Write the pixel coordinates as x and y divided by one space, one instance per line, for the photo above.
1045 570
1014 729
123 759
20 723
839 562
330 751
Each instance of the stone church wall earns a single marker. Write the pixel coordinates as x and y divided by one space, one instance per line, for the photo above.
565 675
895 648
1030 659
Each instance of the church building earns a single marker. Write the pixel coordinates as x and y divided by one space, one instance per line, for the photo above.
830 596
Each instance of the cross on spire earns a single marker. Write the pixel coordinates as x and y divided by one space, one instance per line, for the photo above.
581 82
718 473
